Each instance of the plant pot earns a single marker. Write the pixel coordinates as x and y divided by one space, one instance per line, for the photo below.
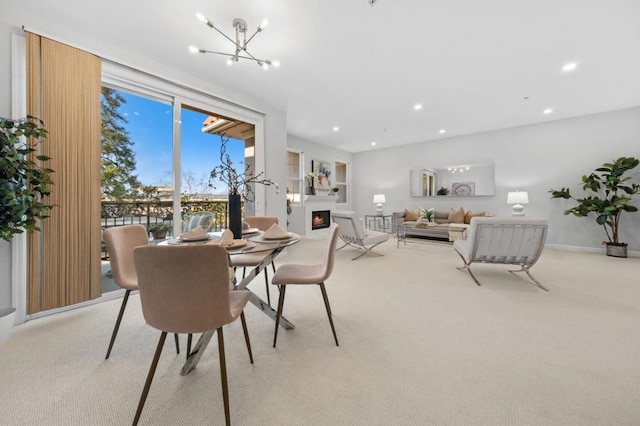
616 250
235 215
159 235
7 318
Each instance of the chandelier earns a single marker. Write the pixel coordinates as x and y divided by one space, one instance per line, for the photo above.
240 42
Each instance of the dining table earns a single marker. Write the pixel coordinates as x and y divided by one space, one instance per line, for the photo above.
251 242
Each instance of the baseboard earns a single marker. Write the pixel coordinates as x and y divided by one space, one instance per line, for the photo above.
630 253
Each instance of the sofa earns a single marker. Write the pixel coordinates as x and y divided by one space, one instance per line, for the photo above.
444 225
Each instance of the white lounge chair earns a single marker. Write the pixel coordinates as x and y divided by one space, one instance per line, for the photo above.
352 233
504 241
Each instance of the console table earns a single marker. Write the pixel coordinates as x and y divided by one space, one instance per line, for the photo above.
382 222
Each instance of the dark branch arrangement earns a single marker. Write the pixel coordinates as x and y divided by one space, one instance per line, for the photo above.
237 182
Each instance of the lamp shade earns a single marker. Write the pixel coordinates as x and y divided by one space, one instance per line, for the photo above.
518 197
379 199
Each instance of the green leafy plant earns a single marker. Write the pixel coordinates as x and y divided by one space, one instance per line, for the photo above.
613 193
24 184
158 230
427 214
442 191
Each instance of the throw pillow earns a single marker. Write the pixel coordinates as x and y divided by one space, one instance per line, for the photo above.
456 216
441 217
411 215
469 214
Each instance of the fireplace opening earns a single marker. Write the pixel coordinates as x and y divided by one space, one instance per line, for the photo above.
320 219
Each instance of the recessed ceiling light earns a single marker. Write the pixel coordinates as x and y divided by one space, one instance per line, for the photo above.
336 128
442 131
569 67
547 111
373 144
417 107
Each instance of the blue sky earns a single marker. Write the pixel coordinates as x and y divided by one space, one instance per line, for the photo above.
150 128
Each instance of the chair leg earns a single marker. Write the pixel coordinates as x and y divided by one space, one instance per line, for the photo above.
246 336
152 371
279 313
466 267
266 283
177 343
223 377
526 270
326 305
117 326
189 338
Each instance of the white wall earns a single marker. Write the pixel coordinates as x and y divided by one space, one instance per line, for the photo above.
531 158
316 151
11 21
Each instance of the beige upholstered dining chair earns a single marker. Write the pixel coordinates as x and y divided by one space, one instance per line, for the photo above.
251 260
308 274
120 242
185 289
503 241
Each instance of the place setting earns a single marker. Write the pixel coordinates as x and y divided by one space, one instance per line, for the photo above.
275 234
196 235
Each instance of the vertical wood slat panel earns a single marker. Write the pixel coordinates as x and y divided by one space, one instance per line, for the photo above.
70 80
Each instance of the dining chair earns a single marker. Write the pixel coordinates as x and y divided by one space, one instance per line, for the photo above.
120 242
185 289
308 274
251 260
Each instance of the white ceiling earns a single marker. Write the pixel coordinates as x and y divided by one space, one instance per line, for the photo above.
345 63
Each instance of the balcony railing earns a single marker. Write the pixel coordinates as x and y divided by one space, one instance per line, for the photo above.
149 212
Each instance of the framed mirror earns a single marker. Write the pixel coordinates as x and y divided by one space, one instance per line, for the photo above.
474 179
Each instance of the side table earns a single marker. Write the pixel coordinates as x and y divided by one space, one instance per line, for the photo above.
382 223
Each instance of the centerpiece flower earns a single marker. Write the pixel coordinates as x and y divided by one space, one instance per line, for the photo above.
239 184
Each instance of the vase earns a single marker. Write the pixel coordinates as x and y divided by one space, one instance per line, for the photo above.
235 215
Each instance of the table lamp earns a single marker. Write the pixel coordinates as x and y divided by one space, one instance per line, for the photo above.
518 199
379 200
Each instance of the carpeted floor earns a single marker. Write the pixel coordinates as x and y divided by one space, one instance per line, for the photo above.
420 344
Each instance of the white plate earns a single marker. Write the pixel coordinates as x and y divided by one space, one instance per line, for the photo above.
196 238
233 244
250 231
289 235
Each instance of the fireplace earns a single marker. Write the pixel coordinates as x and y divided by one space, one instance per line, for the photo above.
320 219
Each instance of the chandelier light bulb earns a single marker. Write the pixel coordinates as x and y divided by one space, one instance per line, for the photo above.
275 63
201 18
193 49
265 66
263 25
229 61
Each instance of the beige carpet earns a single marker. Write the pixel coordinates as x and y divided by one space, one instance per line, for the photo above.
421 344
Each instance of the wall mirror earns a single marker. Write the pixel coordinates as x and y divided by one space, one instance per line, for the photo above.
459 180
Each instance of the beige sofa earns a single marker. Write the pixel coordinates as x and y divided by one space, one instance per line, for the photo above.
445 225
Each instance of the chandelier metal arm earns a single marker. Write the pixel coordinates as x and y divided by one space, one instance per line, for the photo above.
251 38
231 55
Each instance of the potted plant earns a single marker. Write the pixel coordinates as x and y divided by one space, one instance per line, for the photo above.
159 230
24 184
612 196
334 190
442 191
427 214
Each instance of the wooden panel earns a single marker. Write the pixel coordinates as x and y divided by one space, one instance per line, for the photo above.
70 237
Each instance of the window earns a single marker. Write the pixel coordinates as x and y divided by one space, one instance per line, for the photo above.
342 181
294 177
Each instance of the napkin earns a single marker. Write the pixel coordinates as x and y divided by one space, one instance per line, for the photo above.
227 237
245 226
275 232
198 231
